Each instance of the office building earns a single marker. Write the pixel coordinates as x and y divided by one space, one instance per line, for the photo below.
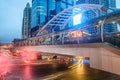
39 12
107 4
26 23
44 10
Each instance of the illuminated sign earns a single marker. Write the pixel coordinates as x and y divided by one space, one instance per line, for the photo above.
77 34
77 19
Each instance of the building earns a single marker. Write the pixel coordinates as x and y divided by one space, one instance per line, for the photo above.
91 31
39 12
50 9
44 10
26 23
16 41
34 31
107 4
63 4
112 27
6 46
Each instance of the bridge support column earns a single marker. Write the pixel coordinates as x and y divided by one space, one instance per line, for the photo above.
78 40
62 38
105 60
52 40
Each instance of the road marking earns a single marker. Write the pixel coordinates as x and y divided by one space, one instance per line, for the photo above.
52 76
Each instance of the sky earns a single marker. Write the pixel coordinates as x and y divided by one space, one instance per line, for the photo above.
11 13
118 3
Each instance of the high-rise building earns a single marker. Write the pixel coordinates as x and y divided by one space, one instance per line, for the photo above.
87 1
56 6
39 12
26 23
63 4
112 27
107 4
44 10
50 9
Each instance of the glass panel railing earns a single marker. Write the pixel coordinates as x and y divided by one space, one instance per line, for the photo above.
113 39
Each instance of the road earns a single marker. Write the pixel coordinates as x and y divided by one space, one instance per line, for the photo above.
14 69
57 72
32 71
84 72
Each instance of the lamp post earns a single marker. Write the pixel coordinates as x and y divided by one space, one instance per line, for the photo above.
102 33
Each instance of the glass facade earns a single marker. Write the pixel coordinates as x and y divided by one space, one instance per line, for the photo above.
26 23
80 1
50 9
92 1
39 12
107 4
110 27
63 4
44 10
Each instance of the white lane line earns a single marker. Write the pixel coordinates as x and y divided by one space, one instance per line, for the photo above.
53 76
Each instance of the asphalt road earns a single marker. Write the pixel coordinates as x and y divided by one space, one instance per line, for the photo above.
84 72
42 70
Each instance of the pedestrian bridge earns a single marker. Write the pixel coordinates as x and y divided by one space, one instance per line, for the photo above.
96 37
102 56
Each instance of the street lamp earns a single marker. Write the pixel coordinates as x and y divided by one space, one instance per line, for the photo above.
101 25
102 37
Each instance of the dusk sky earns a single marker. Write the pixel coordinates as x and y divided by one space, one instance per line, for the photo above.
11 13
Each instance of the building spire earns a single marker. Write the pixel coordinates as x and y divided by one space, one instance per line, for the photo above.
28 4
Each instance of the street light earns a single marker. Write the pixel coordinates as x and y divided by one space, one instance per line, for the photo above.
102 38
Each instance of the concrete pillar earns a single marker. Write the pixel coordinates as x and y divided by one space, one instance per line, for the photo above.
52 39
78 40
39 42
61 38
